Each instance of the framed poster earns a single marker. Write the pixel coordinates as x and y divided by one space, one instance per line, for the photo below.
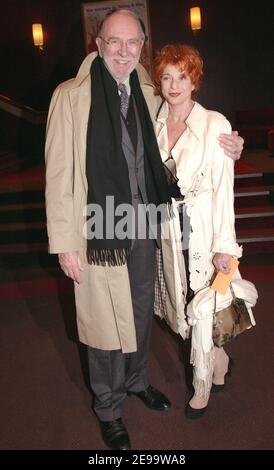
94 12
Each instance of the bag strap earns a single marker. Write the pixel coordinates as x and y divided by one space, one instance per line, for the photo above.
214 311
232 291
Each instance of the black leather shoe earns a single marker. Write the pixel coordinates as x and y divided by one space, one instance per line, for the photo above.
219 387
153 399
115 434
193 413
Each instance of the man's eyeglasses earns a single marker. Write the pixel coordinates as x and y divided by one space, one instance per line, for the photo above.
117 43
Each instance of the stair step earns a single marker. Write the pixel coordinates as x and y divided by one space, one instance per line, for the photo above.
251 201
31 176
256 240
247 196
248 175
6 249
254 219
22 215
252 190
257 209
21 233
258 260
23 236
20 259
246 235
22 197
258 246
21 207
247 179
257 267
253 179
19 226
258 272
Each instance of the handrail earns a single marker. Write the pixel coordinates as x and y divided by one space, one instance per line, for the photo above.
22 111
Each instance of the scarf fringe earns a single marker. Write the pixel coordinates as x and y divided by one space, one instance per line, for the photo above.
112 257
201 386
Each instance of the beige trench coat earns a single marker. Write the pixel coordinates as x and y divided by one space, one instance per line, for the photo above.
103 299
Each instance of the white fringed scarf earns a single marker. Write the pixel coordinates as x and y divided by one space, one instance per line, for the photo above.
200 315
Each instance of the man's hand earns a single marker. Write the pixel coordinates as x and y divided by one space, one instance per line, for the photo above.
221 262
71 265
232 144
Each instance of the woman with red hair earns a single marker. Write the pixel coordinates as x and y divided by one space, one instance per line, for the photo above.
201 184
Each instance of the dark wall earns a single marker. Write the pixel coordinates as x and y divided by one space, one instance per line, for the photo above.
236 42
28 74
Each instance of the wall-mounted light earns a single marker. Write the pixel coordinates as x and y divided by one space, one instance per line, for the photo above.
37 33
195 18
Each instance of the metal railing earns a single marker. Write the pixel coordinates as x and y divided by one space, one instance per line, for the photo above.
22 111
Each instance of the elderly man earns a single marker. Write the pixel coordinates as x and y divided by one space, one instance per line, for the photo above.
101 144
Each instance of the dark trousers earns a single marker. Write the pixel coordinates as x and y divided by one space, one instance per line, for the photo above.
113 373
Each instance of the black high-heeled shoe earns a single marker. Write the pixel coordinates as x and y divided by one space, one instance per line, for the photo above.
218 388
195 413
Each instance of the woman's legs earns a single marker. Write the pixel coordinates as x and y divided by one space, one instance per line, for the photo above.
198 402
220 369
220 366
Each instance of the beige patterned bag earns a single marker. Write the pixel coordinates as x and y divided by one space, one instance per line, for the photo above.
230 321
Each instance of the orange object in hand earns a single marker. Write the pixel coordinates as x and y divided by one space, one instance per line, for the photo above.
222 280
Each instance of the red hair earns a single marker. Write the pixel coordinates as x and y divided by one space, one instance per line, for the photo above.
186 58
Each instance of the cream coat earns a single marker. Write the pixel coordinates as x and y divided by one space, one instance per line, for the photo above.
103 299
206 178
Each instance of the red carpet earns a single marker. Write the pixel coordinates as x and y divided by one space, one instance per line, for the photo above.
35 288
45 400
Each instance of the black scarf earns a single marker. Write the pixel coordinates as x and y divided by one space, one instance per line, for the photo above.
106 166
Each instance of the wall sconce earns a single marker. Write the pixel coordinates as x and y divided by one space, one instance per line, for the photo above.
195 18
37 33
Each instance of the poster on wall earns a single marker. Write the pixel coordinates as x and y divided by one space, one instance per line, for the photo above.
94 12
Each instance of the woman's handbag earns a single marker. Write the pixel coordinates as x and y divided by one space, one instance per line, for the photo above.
230 321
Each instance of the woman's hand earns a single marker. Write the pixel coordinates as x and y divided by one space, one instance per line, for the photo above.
221 262
232 144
